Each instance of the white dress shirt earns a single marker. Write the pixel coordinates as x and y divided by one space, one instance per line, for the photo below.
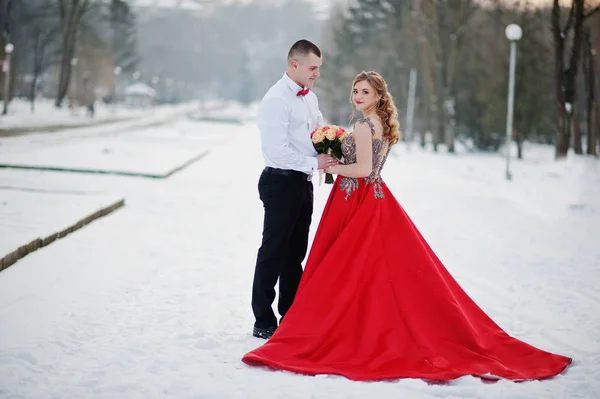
285 121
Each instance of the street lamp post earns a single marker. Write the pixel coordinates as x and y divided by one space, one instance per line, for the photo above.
8 49
513 33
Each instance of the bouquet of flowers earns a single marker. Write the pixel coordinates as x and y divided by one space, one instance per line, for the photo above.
328 140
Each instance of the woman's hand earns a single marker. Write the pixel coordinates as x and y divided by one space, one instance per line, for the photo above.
326 160
331 170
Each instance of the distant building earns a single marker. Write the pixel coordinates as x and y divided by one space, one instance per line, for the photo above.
140 95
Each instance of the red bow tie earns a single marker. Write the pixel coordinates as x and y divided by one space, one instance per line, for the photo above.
303 92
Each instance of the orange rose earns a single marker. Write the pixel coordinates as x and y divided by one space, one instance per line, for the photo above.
317 136
330 134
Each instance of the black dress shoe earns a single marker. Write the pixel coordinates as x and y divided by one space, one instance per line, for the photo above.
264 333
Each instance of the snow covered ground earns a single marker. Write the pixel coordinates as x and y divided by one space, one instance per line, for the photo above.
27 215
46 114
114 153
153 300
48 118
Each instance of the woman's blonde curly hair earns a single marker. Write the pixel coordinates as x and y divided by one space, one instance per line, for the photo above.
386 109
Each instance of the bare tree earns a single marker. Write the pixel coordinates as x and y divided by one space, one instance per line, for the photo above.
443 25
71 13
594 23
123 39
37 31
589 79
42 58
5 37
566 73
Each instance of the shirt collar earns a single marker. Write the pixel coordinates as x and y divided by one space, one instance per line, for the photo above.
291 84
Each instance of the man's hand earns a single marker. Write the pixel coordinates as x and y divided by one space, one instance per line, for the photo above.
326 161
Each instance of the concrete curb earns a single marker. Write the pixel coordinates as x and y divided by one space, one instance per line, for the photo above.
109 172
38 243
19 131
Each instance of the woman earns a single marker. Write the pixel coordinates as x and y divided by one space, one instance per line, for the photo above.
374 301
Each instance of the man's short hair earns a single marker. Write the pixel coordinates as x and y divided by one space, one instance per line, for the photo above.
303 48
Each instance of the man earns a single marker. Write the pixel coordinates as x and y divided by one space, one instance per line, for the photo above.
288 113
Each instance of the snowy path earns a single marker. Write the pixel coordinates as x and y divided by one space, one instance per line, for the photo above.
153 300
21 120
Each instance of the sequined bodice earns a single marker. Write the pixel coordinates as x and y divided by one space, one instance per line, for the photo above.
380 152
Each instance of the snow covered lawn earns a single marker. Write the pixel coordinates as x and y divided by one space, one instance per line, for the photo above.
153 300
47 118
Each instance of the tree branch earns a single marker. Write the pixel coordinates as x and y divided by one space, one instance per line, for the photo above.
570 20
50 35
62 8
555 17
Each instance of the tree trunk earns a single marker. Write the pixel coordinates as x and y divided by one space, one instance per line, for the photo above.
450 124
562 139
36 67
71 14
2 57
450 134
517 137
32 93
65 70
576 129
426 126
438 132
566 78
597 135
446 135
440 135
589 79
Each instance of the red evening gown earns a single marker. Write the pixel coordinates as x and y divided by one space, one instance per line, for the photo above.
376 303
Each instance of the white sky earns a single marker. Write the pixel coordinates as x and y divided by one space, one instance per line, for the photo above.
320 5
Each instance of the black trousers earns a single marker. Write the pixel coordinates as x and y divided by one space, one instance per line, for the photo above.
287 197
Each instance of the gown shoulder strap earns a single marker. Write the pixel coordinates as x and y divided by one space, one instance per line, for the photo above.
368 122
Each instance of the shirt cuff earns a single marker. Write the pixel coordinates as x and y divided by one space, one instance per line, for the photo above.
314 164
